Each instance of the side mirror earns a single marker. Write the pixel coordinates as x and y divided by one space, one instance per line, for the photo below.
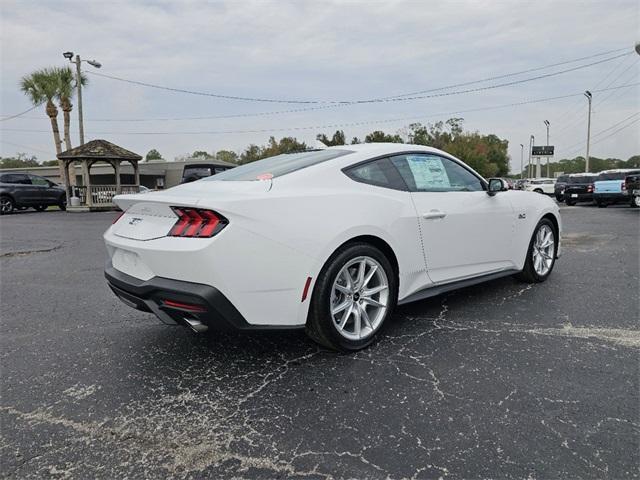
496 185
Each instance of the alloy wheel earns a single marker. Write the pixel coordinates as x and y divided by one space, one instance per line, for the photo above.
6 205
359 298
543 250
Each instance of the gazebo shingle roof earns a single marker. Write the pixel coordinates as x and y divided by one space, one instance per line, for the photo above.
99 150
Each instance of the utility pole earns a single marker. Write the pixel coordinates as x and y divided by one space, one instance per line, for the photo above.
521 161
547 123
531 140
589 98
93 63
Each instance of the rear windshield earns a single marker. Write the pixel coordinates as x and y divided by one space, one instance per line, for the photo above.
279 165
613 175
582 179
562 178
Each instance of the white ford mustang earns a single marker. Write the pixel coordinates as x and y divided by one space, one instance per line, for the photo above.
330 240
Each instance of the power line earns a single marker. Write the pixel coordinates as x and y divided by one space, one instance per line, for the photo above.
571 147
339 125
21 113
35 149
355 102
616 131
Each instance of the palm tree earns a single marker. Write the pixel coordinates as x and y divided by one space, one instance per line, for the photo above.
66 88
42 86
65 93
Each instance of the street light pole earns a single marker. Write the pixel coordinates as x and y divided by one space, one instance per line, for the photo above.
521 161
79 86
547 123
78 61
531 140
589 98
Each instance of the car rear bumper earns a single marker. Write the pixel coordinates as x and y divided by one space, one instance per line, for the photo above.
580 197
200 307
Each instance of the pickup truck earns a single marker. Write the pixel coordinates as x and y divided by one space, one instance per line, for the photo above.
610 187
22 190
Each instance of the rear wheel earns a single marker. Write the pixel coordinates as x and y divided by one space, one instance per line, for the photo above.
570 203
541 255
6 205
354 295
601 204
538 190
635 202
40 208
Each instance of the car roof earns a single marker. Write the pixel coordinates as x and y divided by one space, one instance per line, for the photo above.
385 148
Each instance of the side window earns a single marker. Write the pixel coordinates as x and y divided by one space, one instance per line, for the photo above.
39 181
432 173
20 178
380 173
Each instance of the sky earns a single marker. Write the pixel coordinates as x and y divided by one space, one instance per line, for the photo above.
309 51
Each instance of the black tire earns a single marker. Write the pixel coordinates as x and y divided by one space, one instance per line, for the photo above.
528 273
560 198
635 202
538 190
570 203
62 205
40 208
320 324
7 205
601 204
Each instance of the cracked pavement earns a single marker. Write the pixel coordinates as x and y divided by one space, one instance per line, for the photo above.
500 380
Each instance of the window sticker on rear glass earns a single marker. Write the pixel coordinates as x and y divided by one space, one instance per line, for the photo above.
428 172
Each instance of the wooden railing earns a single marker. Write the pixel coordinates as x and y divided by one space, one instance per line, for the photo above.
101 195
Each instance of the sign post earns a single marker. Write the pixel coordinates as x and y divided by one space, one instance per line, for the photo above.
541 151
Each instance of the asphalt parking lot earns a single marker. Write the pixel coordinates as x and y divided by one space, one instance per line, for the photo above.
501 380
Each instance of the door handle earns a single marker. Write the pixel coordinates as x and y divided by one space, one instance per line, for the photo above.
434 215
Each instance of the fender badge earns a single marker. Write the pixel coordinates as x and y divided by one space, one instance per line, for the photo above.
522 215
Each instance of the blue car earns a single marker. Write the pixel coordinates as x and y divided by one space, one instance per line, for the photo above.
609 187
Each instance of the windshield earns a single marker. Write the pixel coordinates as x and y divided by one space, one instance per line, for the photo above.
613 176
582 179
279 165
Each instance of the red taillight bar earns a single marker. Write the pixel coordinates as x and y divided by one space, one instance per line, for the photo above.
197 223
184 306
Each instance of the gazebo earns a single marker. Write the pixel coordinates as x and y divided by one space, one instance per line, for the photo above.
98 197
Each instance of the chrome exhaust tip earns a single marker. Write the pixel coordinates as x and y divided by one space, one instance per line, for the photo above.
196 325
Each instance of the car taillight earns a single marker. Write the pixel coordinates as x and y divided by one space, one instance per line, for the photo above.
624 186
589 188
197 223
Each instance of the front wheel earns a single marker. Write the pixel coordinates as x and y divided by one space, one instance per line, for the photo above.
6 205
541 255
538 190
40 208
354 295
62 205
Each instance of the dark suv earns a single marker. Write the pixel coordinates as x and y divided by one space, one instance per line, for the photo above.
22 190
558 188
579 188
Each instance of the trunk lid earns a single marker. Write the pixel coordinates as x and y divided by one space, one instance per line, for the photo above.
149 216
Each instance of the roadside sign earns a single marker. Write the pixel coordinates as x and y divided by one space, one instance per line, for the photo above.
542 151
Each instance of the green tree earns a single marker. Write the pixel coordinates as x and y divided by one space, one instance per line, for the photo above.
21 160
338 138
153 154
43 86
67 86
379 136
202 154
227 156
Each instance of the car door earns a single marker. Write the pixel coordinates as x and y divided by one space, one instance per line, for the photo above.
43 191
24 191
465 232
